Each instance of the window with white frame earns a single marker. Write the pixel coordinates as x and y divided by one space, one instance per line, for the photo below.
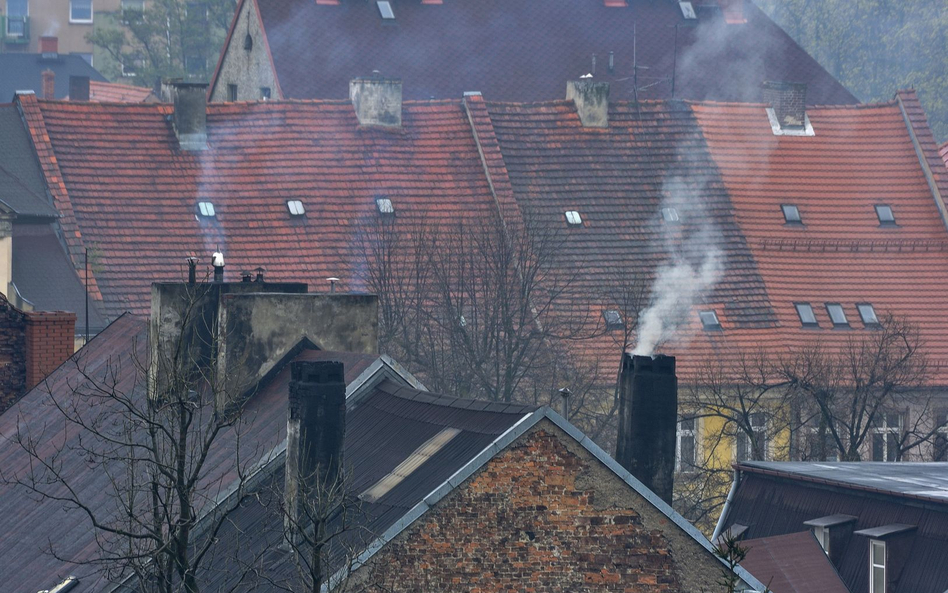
744 449
940 443
886 434
822 535
17 13
686 458
80 11
876 566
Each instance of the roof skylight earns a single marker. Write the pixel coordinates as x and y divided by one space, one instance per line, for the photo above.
206 209
573 217
687 10
385 9
867 313
670 215
791 214
709 319
295 207
613 320
885 214
807 317
837 315
385 206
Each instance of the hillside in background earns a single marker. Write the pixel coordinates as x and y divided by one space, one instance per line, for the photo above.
875 47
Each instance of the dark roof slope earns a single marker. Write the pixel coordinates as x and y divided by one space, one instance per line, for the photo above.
526 50
24 72
22 188
793 563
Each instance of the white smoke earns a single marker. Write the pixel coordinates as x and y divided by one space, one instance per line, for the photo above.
51 29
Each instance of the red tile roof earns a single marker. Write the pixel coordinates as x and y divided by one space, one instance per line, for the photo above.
793 563
110 92
526 50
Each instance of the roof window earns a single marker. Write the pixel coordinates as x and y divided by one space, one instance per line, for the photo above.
791 214
206 209
613 320
867 313
687 10
670 214
295 207
385 206
807 317
885 214
573 217
709 319
837 315
385 9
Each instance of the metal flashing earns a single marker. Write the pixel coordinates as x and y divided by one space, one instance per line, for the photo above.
806 130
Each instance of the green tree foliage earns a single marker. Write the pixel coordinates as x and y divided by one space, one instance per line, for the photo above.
875 47
164 39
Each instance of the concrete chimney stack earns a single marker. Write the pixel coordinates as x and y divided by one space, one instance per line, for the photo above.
648 416
49 84
591 100
377 101
315 431
788 100
78 88
190 114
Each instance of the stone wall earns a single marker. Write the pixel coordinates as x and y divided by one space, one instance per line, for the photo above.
12 353
250 69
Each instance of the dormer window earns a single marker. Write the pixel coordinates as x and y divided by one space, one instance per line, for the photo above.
868 314
613 320
295 207
385 10
885 214
709 319
791 214
807 317
837 315
822 525
385 206
670 215
206 209
573 218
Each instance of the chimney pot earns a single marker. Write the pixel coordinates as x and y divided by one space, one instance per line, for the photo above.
190 114
246 277
377 101
788 100
49 84
591 100
49 46
217 260
78 88
259 272
192 270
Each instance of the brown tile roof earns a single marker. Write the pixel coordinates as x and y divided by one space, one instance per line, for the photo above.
110 92
793 563
525 50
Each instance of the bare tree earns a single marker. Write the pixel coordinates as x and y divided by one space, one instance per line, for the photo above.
155 519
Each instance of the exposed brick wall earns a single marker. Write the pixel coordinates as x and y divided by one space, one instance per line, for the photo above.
12 353
538 518
788 100
50 340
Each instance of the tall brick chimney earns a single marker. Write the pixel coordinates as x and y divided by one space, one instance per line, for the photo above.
377 101
648 415
49 84
50 341
78 88
788 100
591 100
315 431
190 114
49 47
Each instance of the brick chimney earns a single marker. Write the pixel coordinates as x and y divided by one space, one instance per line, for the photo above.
648 415
733 11
50 341
78 88
190 114
591 100
315 431
49 84
788 100
377 101
49 46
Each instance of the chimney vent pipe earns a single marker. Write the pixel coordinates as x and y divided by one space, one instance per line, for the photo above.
564 395
192 270
217 260
259 272
377 101
591 100
190 114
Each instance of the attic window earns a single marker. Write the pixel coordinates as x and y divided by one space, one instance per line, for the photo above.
385 206
404 469
807 317
670 214
867 313
837 315
295 207
709 319
613 320
791 214
687 10
885 214
206 209
385 9
573 217
248 42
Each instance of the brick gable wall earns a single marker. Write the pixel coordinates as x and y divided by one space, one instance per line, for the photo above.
540 514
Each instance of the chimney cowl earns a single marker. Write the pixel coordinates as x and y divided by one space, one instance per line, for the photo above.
377 101
190 113
591 100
